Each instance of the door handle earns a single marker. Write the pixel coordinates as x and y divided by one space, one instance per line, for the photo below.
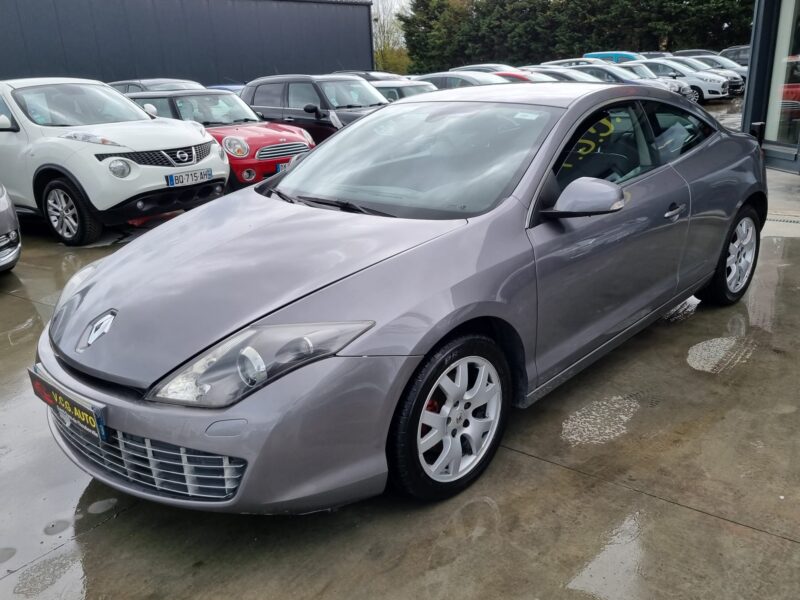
289 119
674 211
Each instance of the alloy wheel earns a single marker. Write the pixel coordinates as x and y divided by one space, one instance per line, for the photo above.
62 213
741 255
694 96
459 419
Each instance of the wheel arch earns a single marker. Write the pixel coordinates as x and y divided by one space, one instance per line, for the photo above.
758 200
45 174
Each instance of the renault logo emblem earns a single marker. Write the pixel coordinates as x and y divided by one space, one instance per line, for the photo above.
96 330
182 156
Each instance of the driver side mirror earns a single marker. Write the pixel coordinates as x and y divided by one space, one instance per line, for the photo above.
587 197
6 124
313 109
261 116
150 109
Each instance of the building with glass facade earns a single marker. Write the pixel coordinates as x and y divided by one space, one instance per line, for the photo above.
773 94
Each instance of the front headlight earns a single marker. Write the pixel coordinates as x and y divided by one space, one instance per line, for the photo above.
252 358
309 139
236 146
90 138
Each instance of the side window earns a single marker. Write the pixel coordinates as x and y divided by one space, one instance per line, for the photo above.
135 88
301 94
121 87
676 131
161 104
611 144
658 68
6 112
456 82
269 94
391 94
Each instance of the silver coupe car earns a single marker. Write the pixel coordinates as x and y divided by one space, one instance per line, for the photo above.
371 315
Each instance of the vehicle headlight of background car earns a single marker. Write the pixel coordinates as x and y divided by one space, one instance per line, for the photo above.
236 146
89 138
252 358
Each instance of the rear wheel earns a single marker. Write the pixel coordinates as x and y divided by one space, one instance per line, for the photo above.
450 421
67 212
737 262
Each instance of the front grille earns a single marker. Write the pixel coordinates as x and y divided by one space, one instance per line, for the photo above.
163 158
281 150
157 467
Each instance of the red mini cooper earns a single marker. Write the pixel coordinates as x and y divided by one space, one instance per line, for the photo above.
256 149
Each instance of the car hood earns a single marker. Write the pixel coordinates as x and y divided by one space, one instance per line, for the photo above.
260 133
199 278
726 73
155 134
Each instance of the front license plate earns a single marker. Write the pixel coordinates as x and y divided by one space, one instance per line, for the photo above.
281 167
74 413
179 179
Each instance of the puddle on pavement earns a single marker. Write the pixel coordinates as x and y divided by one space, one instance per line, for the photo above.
600 421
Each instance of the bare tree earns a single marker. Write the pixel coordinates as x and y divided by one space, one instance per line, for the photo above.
387 35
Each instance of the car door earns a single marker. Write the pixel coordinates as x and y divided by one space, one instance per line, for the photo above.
299 95
268 99
597 276
689 144
14 163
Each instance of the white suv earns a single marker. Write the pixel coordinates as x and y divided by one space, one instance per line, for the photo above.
705 86
83 155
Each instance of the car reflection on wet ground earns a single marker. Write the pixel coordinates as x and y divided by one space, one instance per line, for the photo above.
669 469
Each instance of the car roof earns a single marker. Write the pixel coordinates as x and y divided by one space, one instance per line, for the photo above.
554 94
181 93
392 83
152 81
302 77
34 81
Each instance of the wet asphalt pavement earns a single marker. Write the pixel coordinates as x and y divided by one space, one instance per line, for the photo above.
669 469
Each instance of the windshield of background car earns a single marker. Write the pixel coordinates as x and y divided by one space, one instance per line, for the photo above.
623 73
174 85
697 64
487 78
641 71
679 67
426 160
719 61
577 75
351 94
73 104
215 109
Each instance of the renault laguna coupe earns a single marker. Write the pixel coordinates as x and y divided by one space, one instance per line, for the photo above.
372 314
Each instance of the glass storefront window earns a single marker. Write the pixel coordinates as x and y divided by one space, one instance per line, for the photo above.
783 112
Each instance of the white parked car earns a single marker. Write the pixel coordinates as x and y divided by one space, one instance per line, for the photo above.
674 85
721 62
83 156
10 244
574 62
705 86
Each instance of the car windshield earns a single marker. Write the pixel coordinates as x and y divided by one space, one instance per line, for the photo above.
641 71
425 160
679 67
697 64
719 61
215 109
174 85
576 75
487 78
620 72
351 93
74 104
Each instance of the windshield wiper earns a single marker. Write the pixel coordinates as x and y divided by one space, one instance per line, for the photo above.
346 206
351 106
282 195
245 120
378 104
212 123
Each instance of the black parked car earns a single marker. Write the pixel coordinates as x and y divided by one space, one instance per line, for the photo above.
739 54
131 86
320 104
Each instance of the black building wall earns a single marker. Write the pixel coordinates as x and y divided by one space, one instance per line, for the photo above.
211 41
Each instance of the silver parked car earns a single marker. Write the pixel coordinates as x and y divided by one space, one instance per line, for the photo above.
10 242
374 312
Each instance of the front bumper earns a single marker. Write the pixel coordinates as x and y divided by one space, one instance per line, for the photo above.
312 440
163 201
9 255
105 191
262 169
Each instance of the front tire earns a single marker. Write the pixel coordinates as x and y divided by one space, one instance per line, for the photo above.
66 210
697 95
450 420
737 262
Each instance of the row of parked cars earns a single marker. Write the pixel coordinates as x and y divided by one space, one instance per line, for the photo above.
84 156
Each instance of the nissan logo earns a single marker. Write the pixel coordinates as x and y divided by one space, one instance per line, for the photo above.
182 156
